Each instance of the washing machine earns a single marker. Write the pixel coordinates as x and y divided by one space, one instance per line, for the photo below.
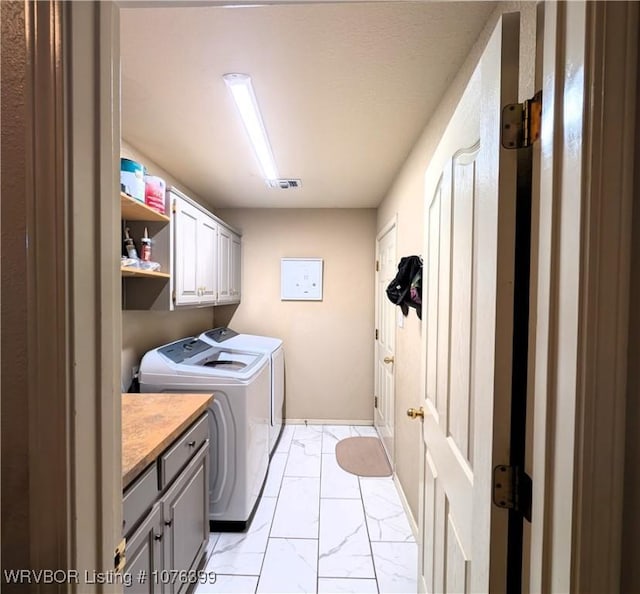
239 418
274 348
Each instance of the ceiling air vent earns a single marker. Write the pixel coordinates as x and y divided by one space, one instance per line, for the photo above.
284 184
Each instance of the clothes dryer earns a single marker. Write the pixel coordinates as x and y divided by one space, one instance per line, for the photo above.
274 348
239 418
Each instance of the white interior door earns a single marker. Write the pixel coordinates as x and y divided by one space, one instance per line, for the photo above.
386 338
469 247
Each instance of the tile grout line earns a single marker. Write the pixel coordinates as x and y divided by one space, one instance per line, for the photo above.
366 524
319 513
274 515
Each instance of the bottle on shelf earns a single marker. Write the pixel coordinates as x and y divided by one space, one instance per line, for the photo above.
129 245
145 247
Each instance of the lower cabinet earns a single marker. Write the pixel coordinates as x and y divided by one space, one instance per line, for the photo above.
171 537
144 555
183 507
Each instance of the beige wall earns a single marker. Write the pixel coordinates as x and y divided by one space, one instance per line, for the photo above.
406 199
143 330
328 343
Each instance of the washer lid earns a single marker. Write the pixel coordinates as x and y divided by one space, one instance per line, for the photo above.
243 342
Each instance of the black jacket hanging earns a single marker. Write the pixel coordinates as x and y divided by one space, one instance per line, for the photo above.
405 289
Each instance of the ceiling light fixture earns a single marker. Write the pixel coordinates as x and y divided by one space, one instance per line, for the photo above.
245 99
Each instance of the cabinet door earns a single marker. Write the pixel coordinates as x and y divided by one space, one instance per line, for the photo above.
236 267
185 513
207 258
224 260
145 555
187 226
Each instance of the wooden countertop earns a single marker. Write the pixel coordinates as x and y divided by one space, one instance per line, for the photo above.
150 422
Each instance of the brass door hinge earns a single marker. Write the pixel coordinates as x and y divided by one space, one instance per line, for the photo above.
377 334
521 122
512 489
119 558
375 402
377 265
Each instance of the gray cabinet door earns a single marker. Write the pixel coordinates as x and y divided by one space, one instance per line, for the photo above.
186 518
144 555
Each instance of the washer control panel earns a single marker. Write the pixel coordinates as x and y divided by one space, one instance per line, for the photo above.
220 334
184 349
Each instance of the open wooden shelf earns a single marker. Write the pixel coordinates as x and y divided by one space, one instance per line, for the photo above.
126 271
134 210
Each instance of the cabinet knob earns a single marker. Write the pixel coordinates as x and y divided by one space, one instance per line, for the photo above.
168 522
192 444
157 537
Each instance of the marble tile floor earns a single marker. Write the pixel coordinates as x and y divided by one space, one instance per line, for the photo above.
318 529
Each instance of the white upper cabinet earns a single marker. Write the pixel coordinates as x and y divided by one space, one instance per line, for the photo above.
187 220
224 265
229 255
195 258
236 267
206 259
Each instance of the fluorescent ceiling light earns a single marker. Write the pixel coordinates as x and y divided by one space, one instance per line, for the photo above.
242 92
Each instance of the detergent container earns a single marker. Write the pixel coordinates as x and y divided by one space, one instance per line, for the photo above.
132 178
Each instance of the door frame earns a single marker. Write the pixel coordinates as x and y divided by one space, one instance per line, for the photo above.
391 224
63 175
582 301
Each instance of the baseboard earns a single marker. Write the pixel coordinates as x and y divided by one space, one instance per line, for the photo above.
328 422
405 504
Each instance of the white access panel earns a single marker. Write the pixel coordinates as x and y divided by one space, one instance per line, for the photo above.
301 279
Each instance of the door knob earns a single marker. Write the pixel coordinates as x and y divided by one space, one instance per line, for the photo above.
414 413
388 359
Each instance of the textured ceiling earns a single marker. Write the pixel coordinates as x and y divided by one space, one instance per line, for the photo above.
345 90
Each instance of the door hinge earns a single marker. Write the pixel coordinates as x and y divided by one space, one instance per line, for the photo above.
377 334
174 208
512 489
173 296
375 402
377 265
119 558
521 123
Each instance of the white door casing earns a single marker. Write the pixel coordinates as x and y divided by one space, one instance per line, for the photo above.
384 381
586 192
469 246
